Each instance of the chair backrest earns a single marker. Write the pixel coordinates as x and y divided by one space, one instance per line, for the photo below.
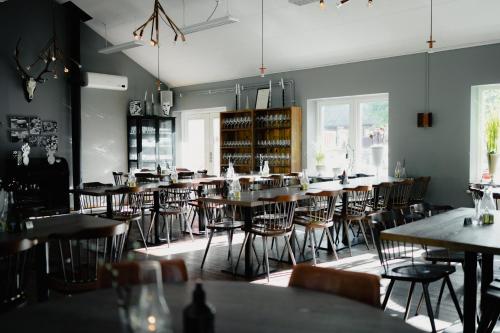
82 253
185 175
361 287
272 181
357 200
245 184
382 201
15 263
128 200
212 187
321 206
293 179
175 195
419 189
401 191
95 184
119 178
278 212
90 204
422 210
128 273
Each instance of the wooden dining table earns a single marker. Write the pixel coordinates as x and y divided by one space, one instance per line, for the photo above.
248 201
46 228
239 307
447 230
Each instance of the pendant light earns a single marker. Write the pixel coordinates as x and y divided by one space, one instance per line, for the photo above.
262 68
431 41
322 4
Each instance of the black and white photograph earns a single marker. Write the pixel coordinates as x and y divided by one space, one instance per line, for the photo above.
49 127
18 123
35 126
135 108
18 135
33 140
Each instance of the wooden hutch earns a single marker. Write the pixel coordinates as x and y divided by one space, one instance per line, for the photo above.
273 134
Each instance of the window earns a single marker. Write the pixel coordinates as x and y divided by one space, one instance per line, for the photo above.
485 103
350 126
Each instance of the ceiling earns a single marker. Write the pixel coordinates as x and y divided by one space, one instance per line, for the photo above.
295 37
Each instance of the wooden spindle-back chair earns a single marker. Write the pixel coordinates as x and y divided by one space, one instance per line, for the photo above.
419 189
401 191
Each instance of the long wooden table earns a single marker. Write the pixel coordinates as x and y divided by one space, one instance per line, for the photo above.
249 200
43 230
447 230
240 307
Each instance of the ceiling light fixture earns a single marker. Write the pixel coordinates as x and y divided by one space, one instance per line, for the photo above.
209 24
121 47
431 40
262 68
154 19
322 4
342 2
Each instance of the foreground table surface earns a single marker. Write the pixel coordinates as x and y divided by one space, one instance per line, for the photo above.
240 307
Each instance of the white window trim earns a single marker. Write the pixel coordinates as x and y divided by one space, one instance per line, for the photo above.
354 115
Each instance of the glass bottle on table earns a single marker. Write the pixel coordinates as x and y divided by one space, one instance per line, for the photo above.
487 207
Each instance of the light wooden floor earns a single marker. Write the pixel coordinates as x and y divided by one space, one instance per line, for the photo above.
362 260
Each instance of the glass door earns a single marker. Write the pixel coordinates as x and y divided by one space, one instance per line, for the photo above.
148 141
133 149
166 143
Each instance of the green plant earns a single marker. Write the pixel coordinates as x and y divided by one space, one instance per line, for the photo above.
491 132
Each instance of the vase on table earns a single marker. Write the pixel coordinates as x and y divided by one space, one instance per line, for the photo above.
377 157
320 169
492 165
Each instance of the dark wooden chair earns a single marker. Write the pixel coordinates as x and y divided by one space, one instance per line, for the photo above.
174 200
380 200
206 188
277 221
321 210
79 255
128 273
361 287
401 191
15 260
220 218
119 178
357 200
127 206
293 179
93 204
419 189
246 184
272 181
398 262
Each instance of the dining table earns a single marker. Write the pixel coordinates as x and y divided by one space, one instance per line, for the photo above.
43 229
239 307
249 201
449 230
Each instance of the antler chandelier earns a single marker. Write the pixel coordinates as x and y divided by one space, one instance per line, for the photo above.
154 19
341 2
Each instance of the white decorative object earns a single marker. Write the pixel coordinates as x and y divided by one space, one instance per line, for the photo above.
320 169
265 169
26 151
492 165
51 149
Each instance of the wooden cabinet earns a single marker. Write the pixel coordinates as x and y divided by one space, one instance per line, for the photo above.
275 135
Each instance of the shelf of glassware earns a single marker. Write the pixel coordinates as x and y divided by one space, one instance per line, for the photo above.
236 138
278 137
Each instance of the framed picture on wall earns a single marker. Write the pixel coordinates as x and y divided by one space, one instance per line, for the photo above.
33 140
35 126
19 135
18 123
262 100
49 127
135 108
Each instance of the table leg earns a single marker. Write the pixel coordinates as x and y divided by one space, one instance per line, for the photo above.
486 275
156 208
109 206
470 292
247 216
345 233
42 271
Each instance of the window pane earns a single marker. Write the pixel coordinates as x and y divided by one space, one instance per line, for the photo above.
490 107
334 133
194 158
374 131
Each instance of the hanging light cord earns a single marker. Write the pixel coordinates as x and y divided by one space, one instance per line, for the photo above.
427 81
158 73
262 36
213 11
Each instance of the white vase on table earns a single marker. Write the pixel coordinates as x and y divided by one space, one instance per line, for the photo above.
377 156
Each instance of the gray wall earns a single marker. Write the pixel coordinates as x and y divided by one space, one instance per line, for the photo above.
104 112
52 99
441 151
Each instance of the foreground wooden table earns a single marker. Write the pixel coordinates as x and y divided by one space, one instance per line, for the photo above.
43 230
240 307
447 230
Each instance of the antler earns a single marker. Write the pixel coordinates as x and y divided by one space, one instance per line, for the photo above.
47 61
18 62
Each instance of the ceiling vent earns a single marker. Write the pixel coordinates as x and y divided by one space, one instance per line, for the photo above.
301 2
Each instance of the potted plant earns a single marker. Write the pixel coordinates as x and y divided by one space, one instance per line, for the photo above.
320 160
491 132
377 148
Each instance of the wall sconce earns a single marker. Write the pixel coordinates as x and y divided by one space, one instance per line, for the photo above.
424 119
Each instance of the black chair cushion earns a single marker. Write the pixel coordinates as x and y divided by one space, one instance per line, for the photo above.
418 272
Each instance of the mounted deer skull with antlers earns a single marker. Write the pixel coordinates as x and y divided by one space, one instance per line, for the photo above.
30 81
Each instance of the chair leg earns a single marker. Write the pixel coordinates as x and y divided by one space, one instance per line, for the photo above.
346 231
419 304
313 245
454 298
142 234
208 246
245 239
332 244
440 297
316 244
388 294
231 233
264 240
362 227
151 225
408 300
306 234
292 256
186 224
428 304
167 224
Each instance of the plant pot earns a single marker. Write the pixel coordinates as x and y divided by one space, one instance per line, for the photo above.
320 169
492 165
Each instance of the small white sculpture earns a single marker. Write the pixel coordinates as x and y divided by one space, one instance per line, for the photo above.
51 149
26 151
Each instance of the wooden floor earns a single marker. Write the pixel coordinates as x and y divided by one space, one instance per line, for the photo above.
362 260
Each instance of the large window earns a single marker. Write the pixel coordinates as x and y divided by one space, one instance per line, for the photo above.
350 126
485 104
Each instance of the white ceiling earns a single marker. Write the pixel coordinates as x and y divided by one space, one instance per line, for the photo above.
295 37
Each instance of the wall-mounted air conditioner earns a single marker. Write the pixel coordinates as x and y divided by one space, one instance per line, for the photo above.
105 81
